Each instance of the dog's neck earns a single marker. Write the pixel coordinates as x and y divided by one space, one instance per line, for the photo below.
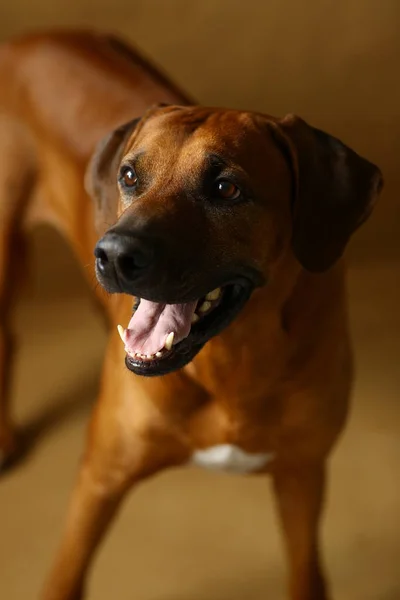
293 305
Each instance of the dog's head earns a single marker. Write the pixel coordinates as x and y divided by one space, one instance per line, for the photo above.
199 205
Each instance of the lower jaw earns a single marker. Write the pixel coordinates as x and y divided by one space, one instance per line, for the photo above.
185 351
172 362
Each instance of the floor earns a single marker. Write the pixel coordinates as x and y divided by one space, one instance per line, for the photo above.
191 535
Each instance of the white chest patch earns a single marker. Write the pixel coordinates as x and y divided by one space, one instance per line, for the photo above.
227 457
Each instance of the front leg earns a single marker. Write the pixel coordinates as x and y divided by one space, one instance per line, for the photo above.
299 493
128 441
93 507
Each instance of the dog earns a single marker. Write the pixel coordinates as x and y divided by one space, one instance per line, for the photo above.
219 236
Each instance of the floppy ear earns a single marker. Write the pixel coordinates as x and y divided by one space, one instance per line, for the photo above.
335 192
101 174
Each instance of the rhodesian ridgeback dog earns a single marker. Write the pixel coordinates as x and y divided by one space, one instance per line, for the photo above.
219 235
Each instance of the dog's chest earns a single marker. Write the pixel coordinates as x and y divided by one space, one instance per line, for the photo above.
228 457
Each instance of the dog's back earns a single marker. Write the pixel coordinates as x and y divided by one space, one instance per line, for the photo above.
60 93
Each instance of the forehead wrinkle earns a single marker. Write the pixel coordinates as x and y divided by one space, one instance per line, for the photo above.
178 143
192 156
160 139
155 153
225 132
179 148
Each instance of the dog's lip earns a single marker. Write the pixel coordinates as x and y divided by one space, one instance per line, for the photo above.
192 295
175 293
234 296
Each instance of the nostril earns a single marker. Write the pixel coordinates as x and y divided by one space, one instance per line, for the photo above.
102 258
128 264
101 254
122 256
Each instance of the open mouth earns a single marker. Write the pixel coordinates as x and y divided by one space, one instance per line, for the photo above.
161 338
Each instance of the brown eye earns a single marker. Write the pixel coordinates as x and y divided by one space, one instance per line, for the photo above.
129 177
227 190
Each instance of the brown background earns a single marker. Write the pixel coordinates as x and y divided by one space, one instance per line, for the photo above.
194 535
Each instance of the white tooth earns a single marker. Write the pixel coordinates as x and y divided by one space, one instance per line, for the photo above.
169 340
214 295
122 333
205 306
195 318
158 354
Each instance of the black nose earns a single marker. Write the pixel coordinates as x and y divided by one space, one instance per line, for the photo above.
122 257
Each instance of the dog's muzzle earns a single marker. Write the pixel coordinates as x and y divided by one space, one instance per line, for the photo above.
122 259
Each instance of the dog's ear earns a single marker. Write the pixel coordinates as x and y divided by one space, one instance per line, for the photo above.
335 192
102 173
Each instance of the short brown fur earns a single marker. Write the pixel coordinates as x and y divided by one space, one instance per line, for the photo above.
276 380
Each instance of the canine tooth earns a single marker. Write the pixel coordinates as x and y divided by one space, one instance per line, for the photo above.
195 318
169 340
158 354
205 306
214 295
122 333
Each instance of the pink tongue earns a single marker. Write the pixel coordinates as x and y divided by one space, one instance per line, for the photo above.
152 322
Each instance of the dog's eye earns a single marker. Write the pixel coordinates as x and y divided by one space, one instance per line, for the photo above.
128 177
227 190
